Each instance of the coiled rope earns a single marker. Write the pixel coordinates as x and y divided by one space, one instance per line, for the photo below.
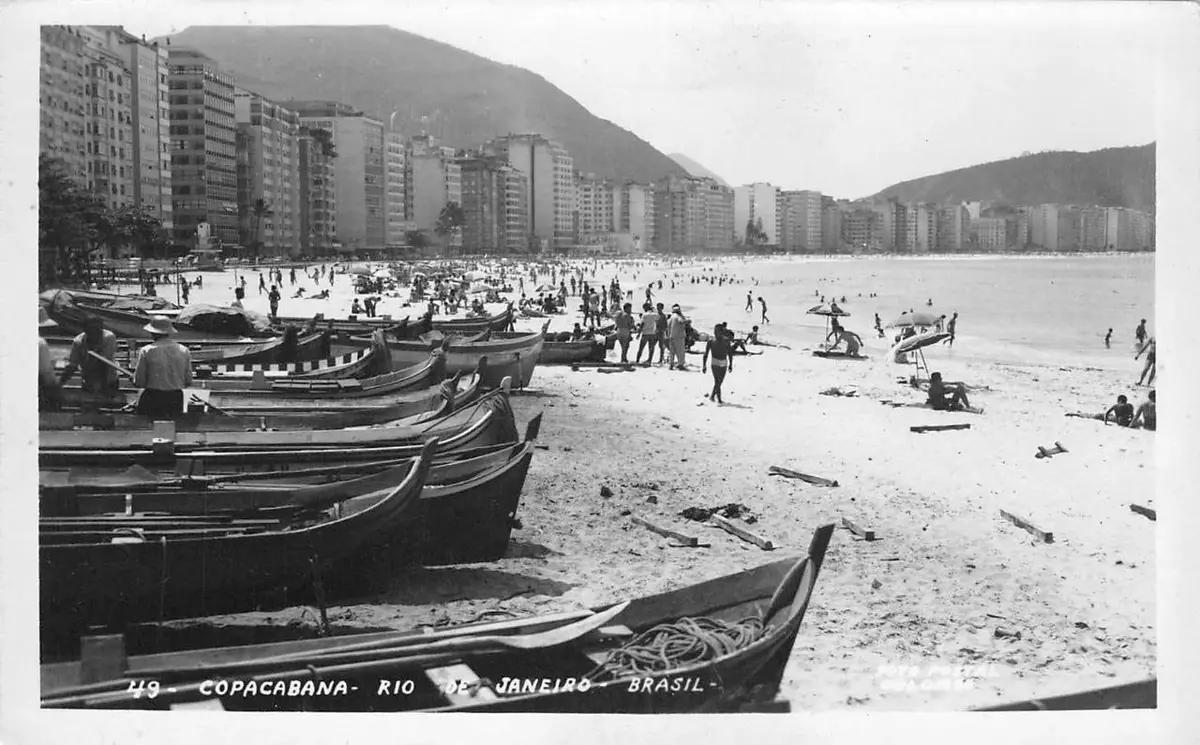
670 646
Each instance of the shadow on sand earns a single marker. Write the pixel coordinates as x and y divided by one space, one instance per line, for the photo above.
437 585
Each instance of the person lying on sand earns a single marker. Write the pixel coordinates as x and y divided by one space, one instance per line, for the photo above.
1145 416
298 294
946 397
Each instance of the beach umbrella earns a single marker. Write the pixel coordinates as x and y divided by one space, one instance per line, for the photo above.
475 276
917 344
919 318
827 310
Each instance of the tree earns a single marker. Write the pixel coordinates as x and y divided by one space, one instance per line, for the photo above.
72 222
450 219
138 227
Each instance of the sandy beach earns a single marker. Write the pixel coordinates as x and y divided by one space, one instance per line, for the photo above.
890 617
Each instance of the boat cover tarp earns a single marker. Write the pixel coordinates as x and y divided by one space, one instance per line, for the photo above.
231 321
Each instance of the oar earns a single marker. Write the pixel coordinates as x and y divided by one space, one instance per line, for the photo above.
398 650
111 364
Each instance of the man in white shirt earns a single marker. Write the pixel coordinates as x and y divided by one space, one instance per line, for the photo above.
163 371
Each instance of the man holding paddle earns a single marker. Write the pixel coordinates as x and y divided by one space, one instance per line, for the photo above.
98 378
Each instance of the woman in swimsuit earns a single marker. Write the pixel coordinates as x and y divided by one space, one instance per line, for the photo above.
722 360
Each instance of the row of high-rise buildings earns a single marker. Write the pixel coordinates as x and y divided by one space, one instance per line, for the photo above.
808 221
166 129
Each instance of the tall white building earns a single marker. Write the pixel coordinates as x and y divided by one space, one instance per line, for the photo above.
395 194
754 203
549 184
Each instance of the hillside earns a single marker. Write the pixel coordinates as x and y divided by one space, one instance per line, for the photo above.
695 169
1115 177
459 97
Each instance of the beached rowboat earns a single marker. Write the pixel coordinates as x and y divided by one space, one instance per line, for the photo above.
502 664
177 568
515 358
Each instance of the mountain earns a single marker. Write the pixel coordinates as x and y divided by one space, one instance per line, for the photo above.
695 169
1114 177
461 98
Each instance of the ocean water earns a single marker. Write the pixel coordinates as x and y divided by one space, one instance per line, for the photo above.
1011 309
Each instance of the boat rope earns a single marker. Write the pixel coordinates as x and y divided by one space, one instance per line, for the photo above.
669 646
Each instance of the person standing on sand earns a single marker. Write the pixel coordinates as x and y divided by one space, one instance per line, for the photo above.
649 334
273 299
722 360
763 303
594 306
662 334
677 336
879 325
1146 416
624 321
163 370
1108 340
1140 332
262 284
1149 350
749 301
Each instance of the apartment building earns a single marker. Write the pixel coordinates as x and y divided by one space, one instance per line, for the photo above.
396 177
149 66
549 179
594 207
109 94
317 182
680 206
1093 229
990 233
435 181
1128 230
493 210
203 131
862 230
359 171
953 228
633 213
801 221
268 169
831 225
65 103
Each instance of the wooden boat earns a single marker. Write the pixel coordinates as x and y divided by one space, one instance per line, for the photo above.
404 329
233 412
92 492
498 322
350 365
465 514
157 569
68 309
502 662
307 348
487 422
1142 694
515 358
564 352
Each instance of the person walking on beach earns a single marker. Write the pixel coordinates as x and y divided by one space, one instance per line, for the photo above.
676 338
262 284
763 303
749 301
273 299
1140 333
1108 340
184 291
722 360
624 321
648 333
1149 350
950 325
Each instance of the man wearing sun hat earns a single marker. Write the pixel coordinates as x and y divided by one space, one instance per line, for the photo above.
163 371
49 392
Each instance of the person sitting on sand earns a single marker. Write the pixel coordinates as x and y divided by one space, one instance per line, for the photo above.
577 333
1121 411
1145 416
946 397
298 294
853 341
357 309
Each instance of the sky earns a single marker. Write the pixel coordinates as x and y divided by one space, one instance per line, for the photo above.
846 99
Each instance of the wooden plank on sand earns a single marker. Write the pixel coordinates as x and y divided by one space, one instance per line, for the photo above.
686 540
867 535
1020 522
938 427
1145 511
742 533
789 473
